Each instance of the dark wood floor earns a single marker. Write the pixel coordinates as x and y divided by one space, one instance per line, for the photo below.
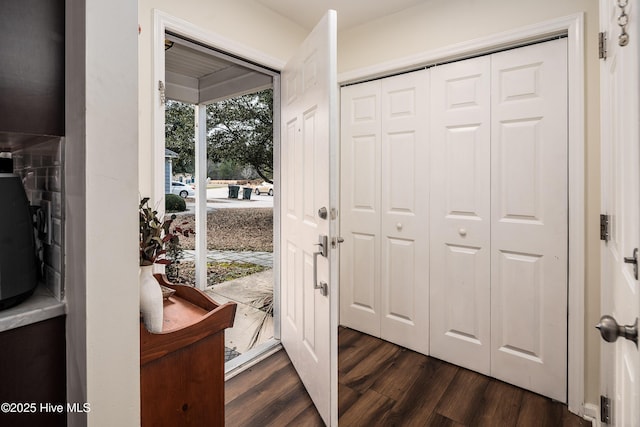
382 384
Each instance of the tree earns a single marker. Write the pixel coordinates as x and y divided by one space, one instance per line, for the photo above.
180 135
241 129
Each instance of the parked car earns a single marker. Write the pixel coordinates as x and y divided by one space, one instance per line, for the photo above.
181 189
265 187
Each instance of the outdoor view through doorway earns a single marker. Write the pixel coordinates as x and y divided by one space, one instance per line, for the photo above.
239 208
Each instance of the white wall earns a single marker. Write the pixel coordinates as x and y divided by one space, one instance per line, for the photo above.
111 203
440 23
101 197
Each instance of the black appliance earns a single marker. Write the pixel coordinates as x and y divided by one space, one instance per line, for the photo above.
18 260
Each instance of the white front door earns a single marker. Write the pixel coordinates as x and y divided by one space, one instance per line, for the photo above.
620 165
308 205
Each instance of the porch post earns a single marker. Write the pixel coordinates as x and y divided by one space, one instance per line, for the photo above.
201 195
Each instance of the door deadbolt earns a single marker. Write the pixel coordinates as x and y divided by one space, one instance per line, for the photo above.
322 212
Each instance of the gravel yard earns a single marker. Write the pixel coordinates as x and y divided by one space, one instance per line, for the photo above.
233 229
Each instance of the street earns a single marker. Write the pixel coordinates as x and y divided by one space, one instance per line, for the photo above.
218 198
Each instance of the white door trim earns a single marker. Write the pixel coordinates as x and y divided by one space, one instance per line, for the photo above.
573 27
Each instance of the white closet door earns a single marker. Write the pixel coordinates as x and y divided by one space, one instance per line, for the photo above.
405 206
360 202
529 218
460 213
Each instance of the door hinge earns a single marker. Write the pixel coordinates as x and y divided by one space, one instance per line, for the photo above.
161 90
602 45
604 227
605 409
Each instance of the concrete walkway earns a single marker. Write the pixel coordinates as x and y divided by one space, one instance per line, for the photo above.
244 291
264 259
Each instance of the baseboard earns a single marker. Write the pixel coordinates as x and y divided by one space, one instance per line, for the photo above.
592 413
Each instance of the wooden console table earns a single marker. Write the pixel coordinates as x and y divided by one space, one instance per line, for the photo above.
182 368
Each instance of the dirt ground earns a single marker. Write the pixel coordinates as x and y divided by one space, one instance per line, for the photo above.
217 272
233 229
227 229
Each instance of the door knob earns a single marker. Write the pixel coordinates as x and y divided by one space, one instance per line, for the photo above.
610 330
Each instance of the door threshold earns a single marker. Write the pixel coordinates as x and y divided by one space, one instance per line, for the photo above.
246 360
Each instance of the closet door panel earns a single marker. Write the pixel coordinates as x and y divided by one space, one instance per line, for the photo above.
460 213
529 218
360 207
400 303
404 205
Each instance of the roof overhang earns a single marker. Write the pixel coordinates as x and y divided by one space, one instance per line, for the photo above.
196 74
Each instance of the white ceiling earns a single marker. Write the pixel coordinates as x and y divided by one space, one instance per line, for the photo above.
351 13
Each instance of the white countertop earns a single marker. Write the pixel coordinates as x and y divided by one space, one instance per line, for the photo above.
42 305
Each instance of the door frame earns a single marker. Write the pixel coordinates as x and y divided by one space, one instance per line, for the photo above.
163 22
571 26
619 134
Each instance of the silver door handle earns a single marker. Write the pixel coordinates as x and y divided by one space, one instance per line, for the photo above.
610 330
322 242
633 260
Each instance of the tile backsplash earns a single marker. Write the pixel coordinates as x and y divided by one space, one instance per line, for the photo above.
41 168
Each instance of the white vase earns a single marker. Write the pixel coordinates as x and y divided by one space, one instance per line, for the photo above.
150 299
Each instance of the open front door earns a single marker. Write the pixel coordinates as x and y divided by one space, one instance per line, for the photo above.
309 288
620 288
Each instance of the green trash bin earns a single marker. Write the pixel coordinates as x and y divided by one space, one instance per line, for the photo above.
233 191
246 193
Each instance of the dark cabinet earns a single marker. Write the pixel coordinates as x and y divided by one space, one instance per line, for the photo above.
33 374
182 368
32 72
